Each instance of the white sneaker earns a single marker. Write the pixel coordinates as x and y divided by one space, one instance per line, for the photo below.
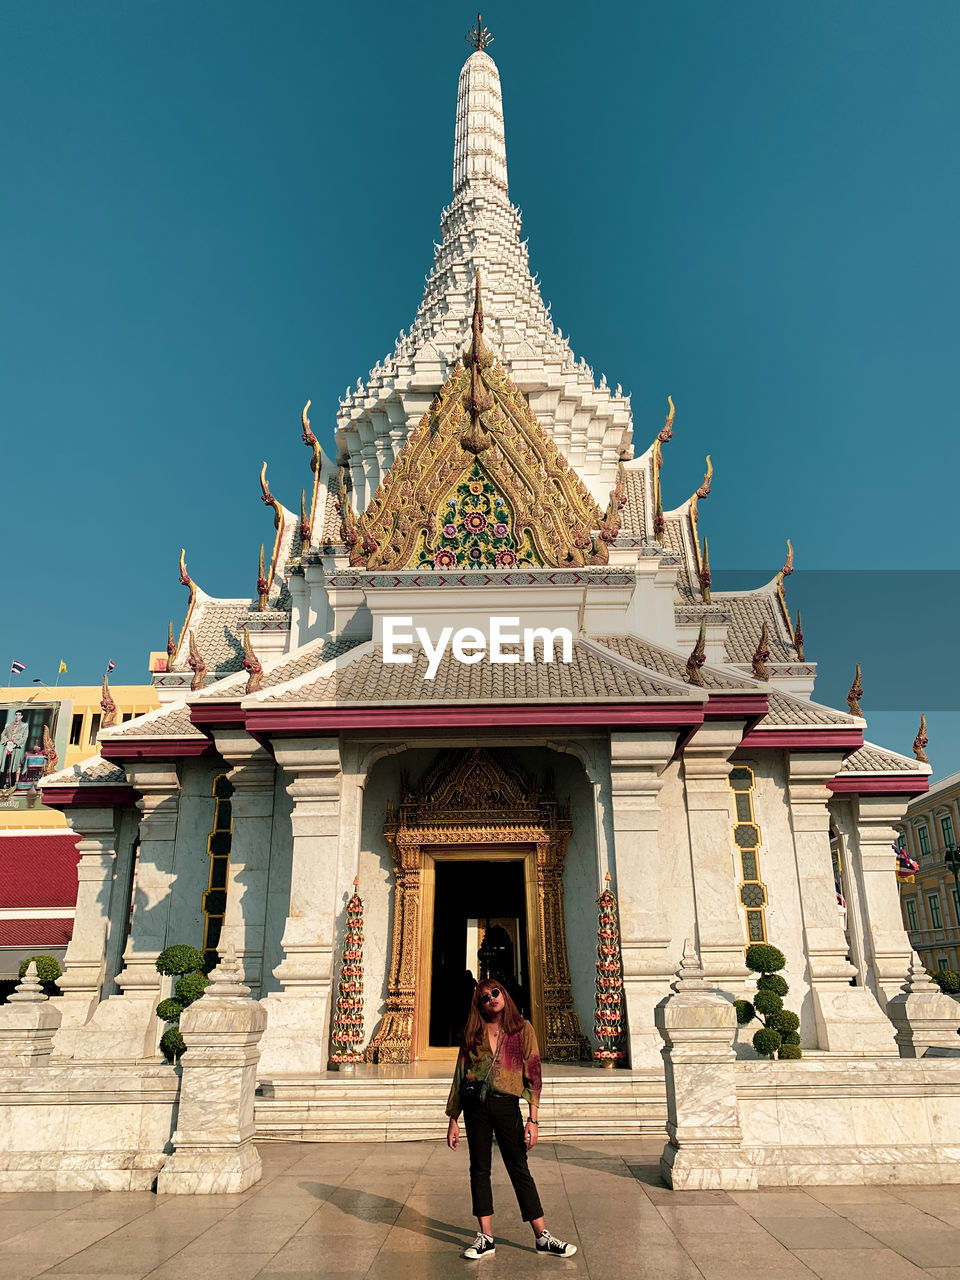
546 1243
481 1247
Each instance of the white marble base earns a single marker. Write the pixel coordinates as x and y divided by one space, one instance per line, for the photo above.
707 1169
210 1171
295 1039
849 1020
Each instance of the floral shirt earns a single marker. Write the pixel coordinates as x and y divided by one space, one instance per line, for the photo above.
516 1073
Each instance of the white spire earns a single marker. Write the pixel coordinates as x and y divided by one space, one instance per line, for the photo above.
479 148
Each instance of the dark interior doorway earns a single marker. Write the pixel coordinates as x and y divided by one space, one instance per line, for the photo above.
476 900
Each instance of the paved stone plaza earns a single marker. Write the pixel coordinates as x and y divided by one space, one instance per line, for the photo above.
399 1210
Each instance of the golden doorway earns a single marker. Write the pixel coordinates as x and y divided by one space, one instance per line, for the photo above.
474 808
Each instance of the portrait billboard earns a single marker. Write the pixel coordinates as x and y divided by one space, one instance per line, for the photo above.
28 746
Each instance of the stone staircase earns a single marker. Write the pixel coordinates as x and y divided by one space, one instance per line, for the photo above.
396 1104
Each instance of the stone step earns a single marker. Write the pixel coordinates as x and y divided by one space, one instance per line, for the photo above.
396 1108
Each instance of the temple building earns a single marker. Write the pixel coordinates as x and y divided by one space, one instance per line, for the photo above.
482 670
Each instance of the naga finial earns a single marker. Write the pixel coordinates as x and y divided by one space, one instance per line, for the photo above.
196 664
263 583
703 574
787 569
666 431
798 639
477 438
267 497
611 518
920 741
761 656
304 522
698 657
855 694
704 490
171 646
307 435
479 36
185 578
251 664
107 706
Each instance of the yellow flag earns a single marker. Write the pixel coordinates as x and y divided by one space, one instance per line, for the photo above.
63 668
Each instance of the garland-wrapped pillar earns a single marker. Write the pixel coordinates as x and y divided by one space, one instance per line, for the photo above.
608 1026
347 1034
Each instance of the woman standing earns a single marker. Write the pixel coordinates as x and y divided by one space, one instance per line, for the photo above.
499 1064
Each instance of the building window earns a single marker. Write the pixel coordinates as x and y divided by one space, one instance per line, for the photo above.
923 839
746 834
912 922
94 728
946 826
127 715
76 729
956 906
936 919
943 962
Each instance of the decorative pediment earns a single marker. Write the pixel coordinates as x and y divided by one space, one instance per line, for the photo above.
479 484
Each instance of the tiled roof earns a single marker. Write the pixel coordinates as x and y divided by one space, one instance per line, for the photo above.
788 711
633 518
35 933
871 759
218 633
748 614
672 540
590 677
669 664
168 722
302 660
95 772
328 517
38 870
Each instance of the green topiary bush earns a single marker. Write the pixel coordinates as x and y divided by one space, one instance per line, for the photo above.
773 982
948 980
792 1037
767 1002
179 959
745 1011
170 1010
789 1051
48 970
190 987
767 1041
172 1044
786 1022
762 958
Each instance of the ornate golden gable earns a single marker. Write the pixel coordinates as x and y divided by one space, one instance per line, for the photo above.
480 484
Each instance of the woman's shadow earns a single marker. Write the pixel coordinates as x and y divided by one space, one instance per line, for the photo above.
368 1207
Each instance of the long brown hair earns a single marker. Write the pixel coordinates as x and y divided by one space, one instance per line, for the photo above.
475 1029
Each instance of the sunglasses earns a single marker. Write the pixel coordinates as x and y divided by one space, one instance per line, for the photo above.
489 995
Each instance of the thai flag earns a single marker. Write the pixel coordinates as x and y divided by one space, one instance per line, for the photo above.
16 668
110 666
906 867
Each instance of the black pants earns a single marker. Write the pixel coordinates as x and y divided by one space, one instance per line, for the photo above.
499 1114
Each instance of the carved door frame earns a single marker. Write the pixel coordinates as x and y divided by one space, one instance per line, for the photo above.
467 802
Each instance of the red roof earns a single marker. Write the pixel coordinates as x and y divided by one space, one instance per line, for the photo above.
35 933
39 871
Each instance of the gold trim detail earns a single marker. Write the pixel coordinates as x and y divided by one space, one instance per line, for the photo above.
265 581
470 798
478 440
191 586
316 461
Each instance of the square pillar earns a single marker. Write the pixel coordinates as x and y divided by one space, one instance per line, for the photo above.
849 1019
889 952
125 1028
295 1040
711 817
637 762
253 775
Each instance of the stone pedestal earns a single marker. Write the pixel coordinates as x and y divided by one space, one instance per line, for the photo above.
252 775
213 1142
295 1040
711 818
637 762
888 947
703 1120
849 1019
926 1019
28 1023
125 1028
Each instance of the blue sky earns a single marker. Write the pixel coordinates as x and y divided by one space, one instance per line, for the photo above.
212 212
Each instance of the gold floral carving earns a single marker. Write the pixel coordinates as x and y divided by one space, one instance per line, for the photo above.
470 798
479 417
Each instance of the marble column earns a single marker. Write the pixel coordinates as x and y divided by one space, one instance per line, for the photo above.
698 1027
213 1142
849 1019
125 1028
295 1040
84 965
252 774
711 816
890 953
637 762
